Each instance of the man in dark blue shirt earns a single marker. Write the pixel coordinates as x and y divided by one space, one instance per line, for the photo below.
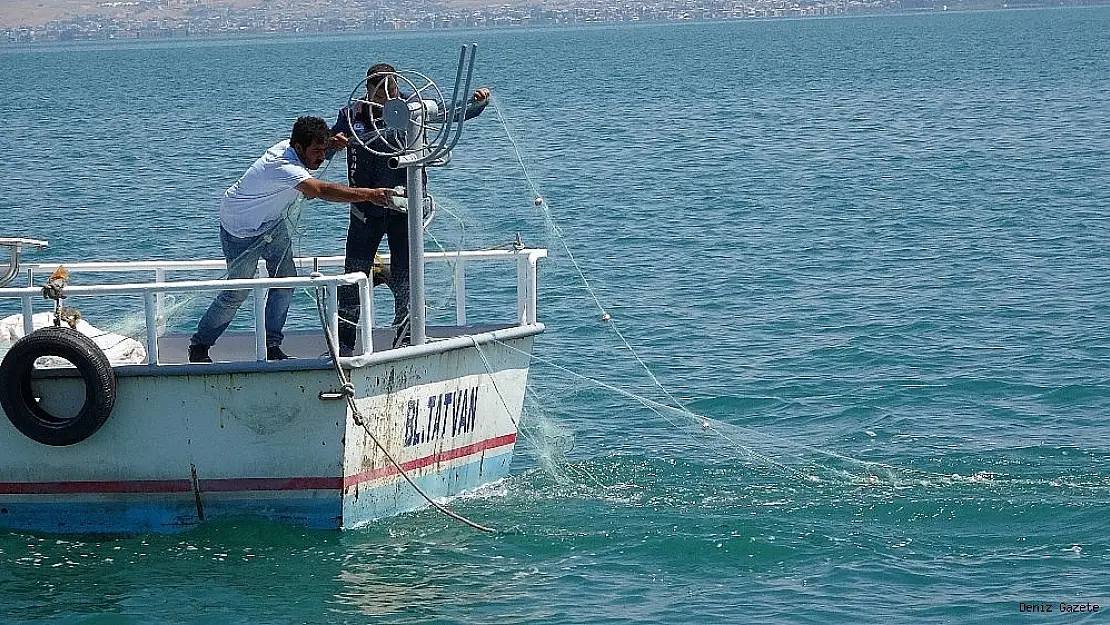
370 222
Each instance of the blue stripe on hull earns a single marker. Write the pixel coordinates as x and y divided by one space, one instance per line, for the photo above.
125 516
361 506
138 514
129 516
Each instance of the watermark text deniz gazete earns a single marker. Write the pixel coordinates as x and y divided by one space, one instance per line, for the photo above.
1059 607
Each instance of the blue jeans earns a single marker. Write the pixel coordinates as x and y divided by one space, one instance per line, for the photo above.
242 262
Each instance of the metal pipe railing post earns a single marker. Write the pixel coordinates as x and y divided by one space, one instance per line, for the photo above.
260 322
418 315
150 305
522 290
28 315
331 313
366 316
160 308
460 292
533 290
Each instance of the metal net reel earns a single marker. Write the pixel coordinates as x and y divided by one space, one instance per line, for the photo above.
396 113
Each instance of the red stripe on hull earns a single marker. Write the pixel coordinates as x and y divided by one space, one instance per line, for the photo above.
71 488
270 483
419 463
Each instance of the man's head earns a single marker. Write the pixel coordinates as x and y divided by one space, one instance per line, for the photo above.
380 85
310 140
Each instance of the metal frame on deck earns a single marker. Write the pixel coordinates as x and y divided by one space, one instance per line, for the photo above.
153 292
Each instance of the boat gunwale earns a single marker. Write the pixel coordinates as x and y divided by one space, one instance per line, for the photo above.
399 354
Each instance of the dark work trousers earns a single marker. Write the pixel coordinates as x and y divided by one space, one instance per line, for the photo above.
363 239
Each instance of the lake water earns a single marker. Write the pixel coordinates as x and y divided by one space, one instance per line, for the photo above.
869 255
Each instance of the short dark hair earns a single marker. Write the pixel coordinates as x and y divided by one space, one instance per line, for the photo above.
380 68
309 130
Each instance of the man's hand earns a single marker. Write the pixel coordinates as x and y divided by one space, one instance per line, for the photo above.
332 192
338 142
480 94
379 197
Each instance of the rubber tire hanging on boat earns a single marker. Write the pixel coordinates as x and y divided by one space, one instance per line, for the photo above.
17 396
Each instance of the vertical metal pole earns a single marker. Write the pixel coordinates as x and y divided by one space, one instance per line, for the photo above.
260 322
331 312
460 291
159 309
28 316
366 316
28 310
533 289
522 290
415 192
150 304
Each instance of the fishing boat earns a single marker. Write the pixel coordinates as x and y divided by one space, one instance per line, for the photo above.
149 442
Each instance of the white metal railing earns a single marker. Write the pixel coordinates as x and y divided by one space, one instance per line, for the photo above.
15 246
153 292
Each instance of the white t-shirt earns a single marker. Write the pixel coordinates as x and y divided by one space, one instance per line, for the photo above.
257 200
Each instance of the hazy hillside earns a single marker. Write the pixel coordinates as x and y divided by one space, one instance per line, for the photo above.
37 12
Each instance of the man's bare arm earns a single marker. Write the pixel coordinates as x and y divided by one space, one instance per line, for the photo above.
332 192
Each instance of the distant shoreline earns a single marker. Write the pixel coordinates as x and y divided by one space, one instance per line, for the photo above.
64 33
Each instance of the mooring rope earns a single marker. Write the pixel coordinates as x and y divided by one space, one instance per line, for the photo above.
349 392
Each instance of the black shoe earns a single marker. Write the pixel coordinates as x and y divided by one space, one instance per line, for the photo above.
274 353
199 353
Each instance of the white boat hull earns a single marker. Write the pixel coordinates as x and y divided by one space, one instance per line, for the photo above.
211 442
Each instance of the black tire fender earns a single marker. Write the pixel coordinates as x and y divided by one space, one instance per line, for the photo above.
18 399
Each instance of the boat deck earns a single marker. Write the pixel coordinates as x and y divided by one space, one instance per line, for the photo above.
301 344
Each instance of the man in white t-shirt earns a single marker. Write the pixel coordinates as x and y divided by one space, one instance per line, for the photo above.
253 215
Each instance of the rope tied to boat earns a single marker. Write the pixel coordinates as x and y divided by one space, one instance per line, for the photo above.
348 389
54 289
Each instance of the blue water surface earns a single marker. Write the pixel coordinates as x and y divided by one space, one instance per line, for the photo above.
868 255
